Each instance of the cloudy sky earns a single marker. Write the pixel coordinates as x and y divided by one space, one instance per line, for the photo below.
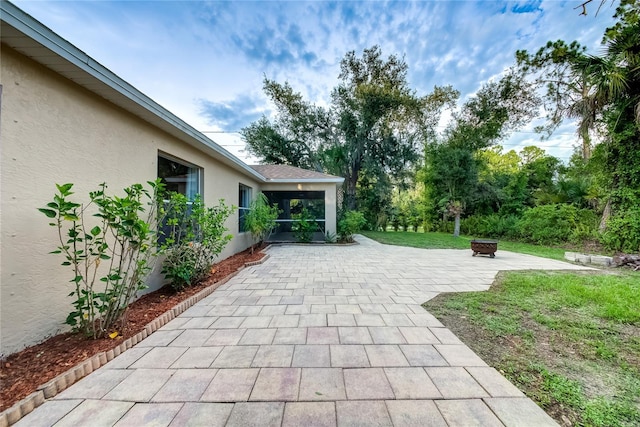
205 60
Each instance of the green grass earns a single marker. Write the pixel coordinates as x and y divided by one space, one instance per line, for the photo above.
447 241
571 341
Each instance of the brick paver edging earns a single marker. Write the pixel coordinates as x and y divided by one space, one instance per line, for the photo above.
48 390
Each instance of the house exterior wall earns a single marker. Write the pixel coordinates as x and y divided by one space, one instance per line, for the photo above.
54 131
330 198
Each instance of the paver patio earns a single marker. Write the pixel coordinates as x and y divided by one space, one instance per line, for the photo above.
316 335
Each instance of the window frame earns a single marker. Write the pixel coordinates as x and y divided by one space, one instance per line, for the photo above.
245 196
199 173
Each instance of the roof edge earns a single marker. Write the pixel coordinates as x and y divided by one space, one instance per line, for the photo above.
304 180
41 34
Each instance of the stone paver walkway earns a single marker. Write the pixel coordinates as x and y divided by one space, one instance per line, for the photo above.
315 336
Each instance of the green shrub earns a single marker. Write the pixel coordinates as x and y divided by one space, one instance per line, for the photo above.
195 238
350 224
110 257
556 223
260 220
304 226
623 232
492 226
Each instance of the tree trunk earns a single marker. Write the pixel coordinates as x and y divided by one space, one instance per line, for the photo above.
586 145
456 225
605 217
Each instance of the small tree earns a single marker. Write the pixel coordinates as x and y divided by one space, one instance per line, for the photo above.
260 220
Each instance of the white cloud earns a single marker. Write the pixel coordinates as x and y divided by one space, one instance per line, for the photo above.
181 53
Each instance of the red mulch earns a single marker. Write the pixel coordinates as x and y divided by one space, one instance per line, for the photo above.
23 372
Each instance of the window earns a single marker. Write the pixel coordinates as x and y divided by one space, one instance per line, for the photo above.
178 176
244 201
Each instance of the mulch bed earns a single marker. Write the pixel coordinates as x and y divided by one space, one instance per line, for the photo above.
23 372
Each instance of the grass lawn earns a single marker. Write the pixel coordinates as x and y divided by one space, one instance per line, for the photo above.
447 241
570 341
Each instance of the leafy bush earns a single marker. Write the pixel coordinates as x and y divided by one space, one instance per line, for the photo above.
549 224
110 257
492 226
623 232
350 224
304 226
195 238
260 220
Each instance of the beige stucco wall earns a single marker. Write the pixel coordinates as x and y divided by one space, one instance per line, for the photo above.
53 131
330 198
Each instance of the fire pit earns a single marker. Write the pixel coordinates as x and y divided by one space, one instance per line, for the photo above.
485 247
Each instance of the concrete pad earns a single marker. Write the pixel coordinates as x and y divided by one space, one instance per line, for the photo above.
411 383
290 336
95 385
186 385
228 322
343 319
367 383
257 337
235 357
95 412
192 338
273 356
362 414
515 412
285 321
159 357
423 355
455 383
369 320
202 414
415 413
354 335
323 335
386 335
197 357
276 384
312 320
385 355
230 385
48 413
245 414
445 336
418 335
311 414
225 337
160 338
349 356
149 414
459 355
311 356
396 319
140 386
253 322
469 412
494 383
128 358
194 322
322 384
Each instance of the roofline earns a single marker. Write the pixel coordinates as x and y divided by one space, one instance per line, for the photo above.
36 31
304 180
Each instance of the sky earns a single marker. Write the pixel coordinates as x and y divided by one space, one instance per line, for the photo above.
205 61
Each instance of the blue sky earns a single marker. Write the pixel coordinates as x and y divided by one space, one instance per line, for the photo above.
205 60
